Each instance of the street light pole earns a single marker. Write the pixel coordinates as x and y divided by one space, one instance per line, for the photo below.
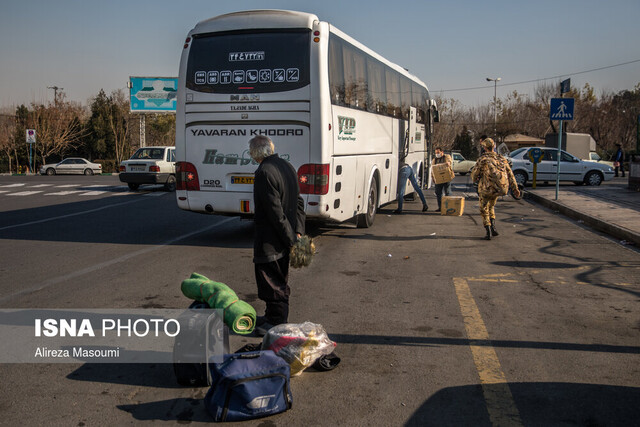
495 109
55 93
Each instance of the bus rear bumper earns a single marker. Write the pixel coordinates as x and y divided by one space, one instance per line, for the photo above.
237 203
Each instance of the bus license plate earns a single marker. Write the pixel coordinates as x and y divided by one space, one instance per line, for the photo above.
242 180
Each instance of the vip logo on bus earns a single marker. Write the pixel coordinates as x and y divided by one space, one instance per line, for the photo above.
346 128
246 56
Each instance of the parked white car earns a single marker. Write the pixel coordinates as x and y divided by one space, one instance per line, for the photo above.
150 165
72 165
461 165
571 168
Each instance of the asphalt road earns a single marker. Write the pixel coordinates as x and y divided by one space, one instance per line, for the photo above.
434 325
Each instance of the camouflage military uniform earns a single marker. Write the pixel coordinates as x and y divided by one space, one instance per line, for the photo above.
486 173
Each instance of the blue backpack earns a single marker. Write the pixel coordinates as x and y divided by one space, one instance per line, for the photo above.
248 385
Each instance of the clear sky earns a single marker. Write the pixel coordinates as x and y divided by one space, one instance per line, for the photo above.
85 45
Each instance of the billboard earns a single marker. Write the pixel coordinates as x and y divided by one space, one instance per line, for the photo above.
153 94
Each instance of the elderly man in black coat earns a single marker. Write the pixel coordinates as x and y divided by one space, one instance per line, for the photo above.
279 221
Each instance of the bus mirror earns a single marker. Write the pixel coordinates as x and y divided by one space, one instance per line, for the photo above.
436 116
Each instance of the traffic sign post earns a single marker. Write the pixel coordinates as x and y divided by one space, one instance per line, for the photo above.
560 109
31 139
535 155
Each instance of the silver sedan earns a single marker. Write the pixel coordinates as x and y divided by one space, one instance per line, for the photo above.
72 165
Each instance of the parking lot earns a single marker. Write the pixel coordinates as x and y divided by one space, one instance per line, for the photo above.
434 325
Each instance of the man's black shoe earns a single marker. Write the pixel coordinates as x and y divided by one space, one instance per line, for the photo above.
397 212
425 208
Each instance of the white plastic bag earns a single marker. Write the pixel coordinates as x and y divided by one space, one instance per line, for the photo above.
300 344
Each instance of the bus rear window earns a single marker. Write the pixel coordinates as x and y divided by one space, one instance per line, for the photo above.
237 62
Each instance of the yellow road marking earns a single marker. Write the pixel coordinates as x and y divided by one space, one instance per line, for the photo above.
498 278
497 395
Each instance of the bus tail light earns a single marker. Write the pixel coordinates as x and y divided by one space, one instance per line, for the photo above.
313 178
187 177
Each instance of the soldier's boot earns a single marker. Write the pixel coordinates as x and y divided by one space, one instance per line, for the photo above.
488 236
494 232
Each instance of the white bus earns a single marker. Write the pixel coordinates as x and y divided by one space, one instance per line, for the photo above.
339 112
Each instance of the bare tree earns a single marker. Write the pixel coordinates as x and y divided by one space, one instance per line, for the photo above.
623 113
452 118
7 137
120 124
59 127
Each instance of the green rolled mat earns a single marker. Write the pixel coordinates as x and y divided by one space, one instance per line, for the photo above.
239 315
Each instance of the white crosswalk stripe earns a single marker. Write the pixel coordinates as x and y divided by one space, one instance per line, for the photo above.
24 193
93 193
79 190
64 193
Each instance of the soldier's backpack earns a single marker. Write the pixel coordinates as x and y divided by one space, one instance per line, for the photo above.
497 179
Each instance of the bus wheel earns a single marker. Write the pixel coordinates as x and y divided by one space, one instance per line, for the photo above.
365 220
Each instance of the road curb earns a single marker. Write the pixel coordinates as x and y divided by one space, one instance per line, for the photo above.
593 222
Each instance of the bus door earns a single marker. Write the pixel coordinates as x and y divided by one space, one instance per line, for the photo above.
407 147
416 143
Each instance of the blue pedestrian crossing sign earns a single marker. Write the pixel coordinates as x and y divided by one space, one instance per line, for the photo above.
561 109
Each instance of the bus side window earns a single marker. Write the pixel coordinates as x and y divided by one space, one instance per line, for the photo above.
405 96
420 101
336 71
377 93
355 77
393 92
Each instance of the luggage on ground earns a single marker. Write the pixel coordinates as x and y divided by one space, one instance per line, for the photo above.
248 385
239 315
190 346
